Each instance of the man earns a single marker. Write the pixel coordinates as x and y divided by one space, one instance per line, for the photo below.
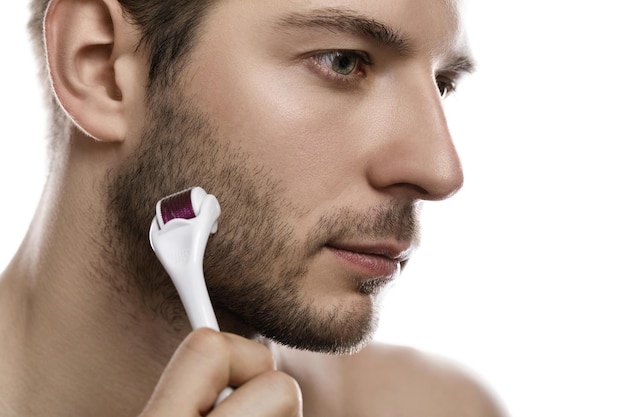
319 127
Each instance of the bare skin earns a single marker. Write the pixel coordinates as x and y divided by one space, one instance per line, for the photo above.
385 380
78 338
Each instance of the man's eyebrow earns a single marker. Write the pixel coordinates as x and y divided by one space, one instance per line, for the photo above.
347 21
460 64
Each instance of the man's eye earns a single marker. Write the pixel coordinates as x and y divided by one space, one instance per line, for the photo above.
341 62
344 66
446 85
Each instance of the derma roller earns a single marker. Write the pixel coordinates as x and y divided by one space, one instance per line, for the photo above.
178 235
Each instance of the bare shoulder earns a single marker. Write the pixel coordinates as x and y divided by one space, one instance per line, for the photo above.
387 380
417 384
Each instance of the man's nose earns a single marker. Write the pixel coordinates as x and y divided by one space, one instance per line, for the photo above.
415 157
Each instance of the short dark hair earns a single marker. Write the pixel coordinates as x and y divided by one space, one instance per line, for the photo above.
167 29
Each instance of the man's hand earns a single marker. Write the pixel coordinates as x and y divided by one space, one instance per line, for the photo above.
205 363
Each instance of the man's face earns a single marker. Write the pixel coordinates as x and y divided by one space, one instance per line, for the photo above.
319 127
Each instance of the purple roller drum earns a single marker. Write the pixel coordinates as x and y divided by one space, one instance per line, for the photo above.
177 206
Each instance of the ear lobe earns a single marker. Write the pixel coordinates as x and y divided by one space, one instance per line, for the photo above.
82 46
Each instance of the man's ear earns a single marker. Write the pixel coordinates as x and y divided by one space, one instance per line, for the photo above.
93 64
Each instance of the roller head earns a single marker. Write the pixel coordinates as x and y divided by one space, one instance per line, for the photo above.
182 205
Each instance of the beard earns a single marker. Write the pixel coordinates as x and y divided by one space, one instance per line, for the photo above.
255 266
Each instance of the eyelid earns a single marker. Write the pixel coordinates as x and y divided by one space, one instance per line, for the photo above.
364 56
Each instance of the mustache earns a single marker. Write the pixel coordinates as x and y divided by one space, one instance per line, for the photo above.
396 221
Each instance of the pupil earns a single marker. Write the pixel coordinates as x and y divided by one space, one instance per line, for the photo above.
344 64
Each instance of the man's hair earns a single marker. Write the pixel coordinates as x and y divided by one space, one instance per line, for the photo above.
167 30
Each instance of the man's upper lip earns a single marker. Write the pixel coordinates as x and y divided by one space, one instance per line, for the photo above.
394 251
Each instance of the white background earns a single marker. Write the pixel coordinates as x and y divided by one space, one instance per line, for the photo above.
519 278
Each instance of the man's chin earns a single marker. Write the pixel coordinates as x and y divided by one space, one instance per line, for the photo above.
335 332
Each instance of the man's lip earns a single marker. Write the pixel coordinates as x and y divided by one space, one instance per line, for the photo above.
398 252
375 261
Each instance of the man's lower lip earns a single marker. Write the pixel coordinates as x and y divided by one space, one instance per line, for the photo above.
374 266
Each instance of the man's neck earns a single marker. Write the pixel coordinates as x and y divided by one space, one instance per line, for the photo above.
70 342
